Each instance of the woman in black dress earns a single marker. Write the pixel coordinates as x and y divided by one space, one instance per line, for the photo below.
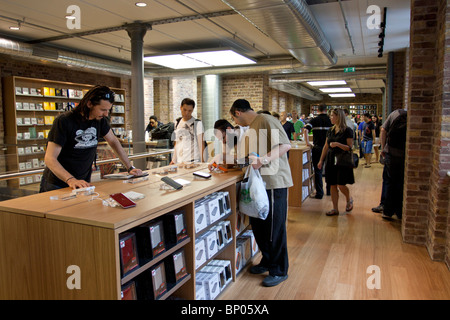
339 139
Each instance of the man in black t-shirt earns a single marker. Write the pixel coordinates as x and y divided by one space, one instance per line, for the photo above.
72 142
319 126
287 125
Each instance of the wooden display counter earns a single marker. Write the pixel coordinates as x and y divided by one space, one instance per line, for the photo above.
302 173
42 238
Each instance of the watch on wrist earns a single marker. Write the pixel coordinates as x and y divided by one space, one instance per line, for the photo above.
265 161
131 168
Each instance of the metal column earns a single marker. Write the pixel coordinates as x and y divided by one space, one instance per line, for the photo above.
136 32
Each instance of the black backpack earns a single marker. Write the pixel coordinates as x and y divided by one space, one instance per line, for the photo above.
164 132
396 136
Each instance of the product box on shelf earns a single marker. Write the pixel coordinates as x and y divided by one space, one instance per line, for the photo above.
128 253
200 292
210 282
152 283
216 270
246 250
159 280
242 222
150 238
175 227
254 246
238 259
226 231
176 267
200 215
210 244
200 252
226 265
128 291
213 207
218 230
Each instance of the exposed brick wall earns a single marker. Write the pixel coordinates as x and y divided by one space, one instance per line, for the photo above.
426 186
281 101
253 88
398 92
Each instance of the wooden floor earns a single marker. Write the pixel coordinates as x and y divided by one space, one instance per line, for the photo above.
329 256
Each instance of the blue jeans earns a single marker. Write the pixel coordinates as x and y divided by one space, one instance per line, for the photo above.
367 146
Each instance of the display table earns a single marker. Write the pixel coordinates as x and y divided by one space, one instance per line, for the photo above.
42 238
302 173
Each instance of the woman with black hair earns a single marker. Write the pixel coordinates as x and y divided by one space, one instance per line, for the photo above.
73 139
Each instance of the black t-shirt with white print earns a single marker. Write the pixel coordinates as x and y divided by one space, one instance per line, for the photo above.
78 139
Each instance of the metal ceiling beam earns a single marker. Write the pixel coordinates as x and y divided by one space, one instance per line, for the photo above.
125 26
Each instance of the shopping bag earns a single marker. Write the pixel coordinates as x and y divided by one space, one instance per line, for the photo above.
253 199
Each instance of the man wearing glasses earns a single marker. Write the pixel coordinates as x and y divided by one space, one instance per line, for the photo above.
153 123
72 142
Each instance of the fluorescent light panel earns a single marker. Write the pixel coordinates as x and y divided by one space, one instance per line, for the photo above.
341 95
326 83
203 59
331 90
176 61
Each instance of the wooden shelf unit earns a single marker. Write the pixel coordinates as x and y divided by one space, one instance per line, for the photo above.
41 238
40 119
300 162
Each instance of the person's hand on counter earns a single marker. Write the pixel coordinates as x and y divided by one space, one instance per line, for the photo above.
76 184
135 172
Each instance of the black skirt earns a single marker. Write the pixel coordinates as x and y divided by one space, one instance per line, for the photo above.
336 175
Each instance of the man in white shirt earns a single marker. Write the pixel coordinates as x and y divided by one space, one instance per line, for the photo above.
188 136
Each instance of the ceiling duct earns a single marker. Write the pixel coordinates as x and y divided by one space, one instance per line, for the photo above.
296 89
292 25
71 59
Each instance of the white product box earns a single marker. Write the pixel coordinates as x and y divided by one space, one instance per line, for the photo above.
211 244
254 246
200 292
213 208
220 271
211 283
220 240
226 202
226 231
200 216
226 265
200 252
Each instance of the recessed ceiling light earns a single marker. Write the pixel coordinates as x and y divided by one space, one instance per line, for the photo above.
341 95
15 28
140 4
329 90
70 17
326 83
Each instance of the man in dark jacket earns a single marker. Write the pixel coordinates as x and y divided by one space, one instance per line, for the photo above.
319 126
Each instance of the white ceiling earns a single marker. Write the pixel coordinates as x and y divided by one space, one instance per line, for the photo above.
45 18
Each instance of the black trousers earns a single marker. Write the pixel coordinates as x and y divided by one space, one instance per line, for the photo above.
318 178
270 234
394 176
